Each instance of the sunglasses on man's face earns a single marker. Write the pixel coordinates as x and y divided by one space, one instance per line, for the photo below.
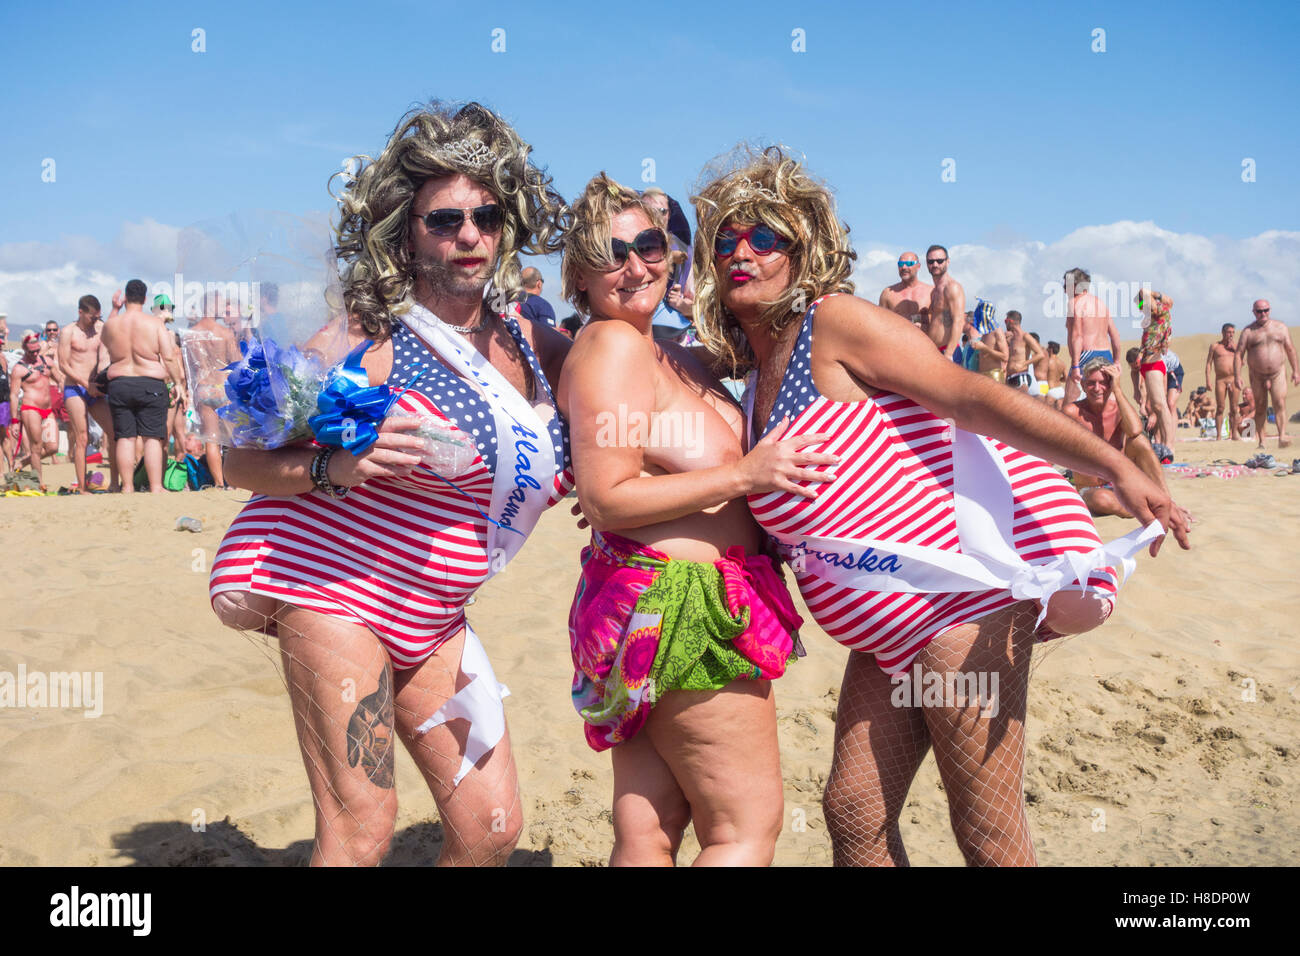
650 246
762 239
447 222
1261 311
906 263
935 262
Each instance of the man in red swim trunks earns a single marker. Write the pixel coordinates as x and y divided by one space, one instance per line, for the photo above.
32 376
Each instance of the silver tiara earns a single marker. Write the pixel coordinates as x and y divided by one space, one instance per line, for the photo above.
467 153
747 187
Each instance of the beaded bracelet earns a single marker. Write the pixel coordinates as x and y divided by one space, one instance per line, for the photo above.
319 473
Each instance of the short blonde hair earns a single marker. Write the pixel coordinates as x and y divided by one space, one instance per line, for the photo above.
771 187
586 243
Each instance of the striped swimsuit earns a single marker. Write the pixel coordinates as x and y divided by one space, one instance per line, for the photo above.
398 555
895 484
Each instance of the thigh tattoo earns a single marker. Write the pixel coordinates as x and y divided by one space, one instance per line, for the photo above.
370 734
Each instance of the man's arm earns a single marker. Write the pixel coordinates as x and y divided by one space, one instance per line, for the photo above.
65 358
1209 366
956 297
170 356
884 351
1073 342
1289 347
1036 351
1114 337
14 382
1237 356
997 350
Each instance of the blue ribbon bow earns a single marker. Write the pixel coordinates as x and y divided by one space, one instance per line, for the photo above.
351 409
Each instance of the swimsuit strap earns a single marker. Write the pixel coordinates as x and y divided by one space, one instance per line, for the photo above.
512 325
797 390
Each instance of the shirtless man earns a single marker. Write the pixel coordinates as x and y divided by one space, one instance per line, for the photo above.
909 297
1246 414
988 342
1089 329
1055 377
209 347
1106 411
143 359
1022 351
32 375
83 388
1266 348
1219 370
942 321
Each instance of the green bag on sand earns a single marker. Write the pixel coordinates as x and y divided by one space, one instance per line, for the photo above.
174 476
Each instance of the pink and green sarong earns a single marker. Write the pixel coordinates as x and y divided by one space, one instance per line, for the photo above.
643 624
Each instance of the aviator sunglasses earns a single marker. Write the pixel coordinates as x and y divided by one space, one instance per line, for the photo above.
762 239
650 246
447 222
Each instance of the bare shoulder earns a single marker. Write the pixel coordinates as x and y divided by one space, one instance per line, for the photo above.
849 315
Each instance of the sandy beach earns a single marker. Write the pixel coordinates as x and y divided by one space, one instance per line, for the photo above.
1168 736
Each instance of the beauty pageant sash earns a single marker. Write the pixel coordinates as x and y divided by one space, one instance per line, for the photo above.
521 486
984 508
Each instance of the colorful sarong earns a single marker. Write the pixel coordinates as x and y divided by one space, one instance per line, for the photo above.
643 624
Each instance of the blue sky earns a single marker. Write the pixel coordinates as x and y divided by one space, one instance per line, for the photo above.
1047 136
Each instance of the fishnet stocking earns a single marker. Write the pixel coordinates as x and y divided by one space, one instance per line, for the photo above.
977 731
349 705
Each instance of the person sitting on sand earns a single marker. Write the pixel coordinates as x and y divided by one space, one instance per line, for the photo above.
1246 413
679 624
1106 411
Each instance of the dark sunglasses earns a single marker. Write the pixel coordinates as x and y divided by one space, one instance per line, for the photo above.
447 222
762 239
935 262
650 246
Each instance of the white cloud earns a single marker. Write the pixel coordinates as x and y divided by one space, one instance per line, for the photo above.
1212 279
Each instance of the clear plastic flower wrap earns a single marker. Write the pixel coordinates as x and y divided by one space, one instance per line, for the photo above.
446 450
259 295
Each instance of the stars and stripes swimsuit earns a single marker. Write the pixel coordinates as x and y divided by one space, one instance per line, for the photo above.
399 555
895 484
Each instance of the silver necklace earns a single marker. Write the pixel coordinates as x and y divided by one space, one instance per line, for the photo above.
470 329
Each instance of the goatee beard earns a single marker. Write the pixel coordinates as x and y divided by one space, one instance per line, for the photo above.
442 280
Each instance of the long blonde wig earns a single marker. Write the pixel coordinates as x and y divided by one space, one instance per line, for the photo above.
431 142
749 185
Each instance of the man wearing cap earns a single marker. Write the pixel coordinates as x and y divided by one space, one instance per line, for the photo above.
80 354
909 296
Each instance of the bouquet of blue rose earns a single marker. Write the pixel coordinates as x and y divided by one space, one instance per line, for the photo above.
276 396
271 394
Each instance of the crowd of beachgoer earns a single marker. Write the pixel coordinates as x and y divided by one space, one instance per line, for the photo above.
912 500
